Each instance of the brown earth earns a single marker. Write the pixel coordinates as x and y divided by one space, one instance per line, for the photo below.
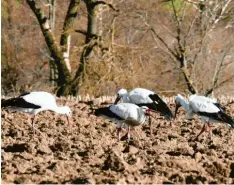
90 153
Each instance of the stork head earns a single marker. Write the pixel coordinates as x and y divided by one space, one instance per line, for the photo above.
178 99
146 110
120 95
67 111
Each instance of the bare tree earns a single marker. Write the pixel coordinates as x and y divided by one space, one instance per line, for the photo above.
193 24
92 39
60 52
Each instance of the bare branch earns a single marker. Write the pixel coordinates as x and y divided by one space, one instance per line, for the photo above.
105 3
45 4
54 47
224 81
217 72
163 49
190 27
158 37
85 33
220 15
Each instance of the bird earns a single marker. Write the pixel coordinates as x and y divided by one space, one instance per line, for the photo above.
208 109
145 97
34 102
128 113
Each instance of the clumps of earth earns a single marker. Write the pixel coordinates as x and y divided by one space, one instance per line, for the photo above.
89 152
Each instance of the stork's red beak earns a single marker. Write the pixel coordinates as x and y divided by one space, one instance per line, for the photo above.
148 113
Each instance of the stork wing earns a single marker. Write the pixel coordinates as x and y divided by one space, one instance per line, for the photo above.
206 107
19 102
40 98
123 110
203 104
220 107
140 96
105 111
161 106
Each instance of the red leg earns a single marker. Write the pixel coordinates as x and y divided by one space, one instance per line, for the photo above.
33 118
118 132
33 126
210 130
150 125
203 129
70 122
126 133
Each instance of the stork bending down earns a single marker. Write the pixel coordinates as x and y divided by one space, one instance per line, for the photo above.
145 97
208 109
35 102
128 113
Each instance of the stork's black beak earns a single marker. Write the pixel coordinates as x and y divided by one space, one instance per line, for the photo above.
176 109
117 100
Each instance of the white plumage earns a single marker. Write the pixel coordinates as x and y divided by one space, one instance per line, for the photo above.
203 104
136 96
208 109
144 97
43 99
128 113
35 102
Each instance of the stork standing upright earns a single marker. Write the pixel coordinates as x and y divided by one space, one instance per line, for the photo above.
145 97
34 102
128 113
208 109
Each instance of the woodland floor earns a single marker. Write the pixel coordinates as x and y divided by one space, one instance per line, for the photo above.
90 152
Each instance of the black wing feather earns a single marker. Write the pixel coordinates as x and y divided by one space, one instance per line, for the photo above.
23 94
18 102
161 106
105 111
219 116
219 106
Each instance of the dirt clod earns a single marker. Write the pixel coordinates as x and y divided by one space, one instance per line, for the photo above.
91 153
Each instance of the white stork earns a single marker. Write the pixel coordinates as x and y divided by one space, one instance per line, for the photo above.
35 102
145 97
208 109
128 113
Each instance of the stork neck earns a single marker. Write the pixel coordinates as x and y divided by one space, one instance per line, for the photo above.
141 115
59 110
126 98
184 104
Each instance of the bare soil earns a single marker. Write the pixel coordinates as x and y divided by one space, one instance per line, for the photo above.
90 153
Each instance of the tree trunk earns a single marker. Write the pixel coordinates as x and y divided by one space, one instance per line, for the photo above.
64 75
53 67
60 52
66 35
90 42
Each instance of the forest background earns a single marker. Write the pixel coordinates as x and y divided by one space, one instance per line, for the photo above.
95 47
